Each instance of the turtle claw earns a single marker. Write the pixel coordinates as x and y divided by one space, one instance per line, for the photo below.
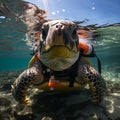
27 101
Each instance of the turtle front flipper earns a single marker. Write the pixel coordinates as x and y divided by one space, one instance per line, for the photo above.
95 81
23 82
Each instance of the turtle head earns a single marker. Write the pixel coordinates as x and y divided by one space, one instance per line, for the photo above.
59 40
59 36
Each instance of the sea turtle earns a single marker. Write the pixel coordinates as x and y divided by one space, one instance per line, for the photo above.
58 64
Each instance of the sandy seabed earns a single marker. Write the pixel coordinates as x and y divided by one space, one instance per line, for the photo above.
74 105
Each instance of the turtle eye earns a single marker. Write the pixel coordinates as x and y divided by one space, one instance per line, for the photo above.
74 34
44 34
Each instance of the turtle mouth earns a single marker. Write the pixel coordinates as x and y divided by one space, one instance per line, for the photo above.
59 51
60 47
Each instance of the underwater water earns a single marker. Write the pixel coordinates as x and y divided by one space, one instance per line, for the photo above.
15 54
15 47
15 51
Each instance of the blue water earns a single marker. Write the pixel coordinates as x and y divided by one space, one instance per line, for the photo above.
14 53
